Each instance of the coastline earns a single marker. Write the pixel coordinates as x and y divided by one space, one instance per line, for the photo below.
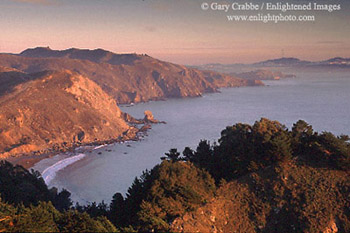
30 160
134 134
59 160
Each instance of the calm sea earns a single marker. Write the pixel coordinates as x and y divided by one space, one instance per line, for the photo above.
323 100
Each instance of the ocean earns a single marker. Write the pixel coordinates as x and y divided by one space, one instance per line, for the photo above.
321 99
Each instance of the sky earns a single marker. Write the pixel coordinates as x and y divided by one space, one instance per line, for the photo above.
178 31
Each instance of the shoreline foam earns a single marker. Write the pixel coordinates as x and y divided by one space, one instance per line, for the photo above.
50 172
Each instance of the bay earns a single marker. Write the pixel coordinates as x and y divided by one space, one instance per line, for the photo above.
321 99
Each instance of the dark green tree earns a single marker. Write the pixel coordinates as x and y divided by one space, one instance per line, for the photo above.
173 155
188 154
117 213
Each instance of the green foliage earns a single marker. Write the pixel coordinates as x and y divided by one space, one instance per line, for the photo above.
117 213
74 221
61 200
244 148
323 149
6 216
40 218
44 217
285 197
29 207
188 154
93 209
19 186
164 193
173 155
256 159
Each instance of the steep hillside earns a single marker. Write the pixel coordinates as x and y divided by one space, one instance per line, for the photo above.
54 109
287 198
127 78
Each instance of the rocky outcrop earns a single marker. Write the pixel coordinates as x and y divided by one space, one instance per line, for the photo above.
331 228
54 110
149 118
130 119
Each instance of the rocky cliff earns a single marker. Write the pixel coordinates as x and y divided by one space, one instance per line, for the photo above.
52 110
128 78
51 100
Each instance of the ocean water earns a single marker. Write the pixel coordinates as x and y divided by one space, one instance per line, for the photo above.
323 100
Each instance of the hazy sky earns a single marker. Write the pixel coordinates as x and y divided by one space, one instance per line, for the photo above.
173 30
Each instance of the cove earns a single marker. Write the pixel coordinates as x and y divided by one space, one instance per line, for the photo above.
321 99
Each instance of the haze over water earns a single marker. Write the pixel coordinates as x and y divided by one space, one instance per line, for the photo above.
320 99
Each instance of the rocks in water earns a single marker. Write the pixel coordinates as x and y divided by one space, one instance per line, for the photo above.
129 119
149 118
145 127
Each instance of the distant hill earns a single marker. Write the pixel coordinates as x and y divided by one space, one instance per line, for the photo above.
295 62
53 110
289 64
337 61
262 74
97 55
126 77
285 61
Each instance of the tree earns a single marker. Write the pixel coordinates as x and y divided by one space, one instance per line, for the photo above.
62 200
40 218
162 194
244 148
172 155
117 210
188 154
74 221
18 185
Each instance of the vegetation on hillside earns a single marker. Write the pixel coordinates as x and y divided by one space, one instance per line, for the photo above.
256 178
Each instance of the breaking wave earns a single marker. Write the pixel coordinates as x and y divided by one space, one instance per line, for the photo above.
49 173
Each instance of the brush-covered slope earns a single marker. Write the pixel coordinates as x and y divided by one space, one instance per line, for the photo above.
288 198
54 109
267 179
277 181
127 77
